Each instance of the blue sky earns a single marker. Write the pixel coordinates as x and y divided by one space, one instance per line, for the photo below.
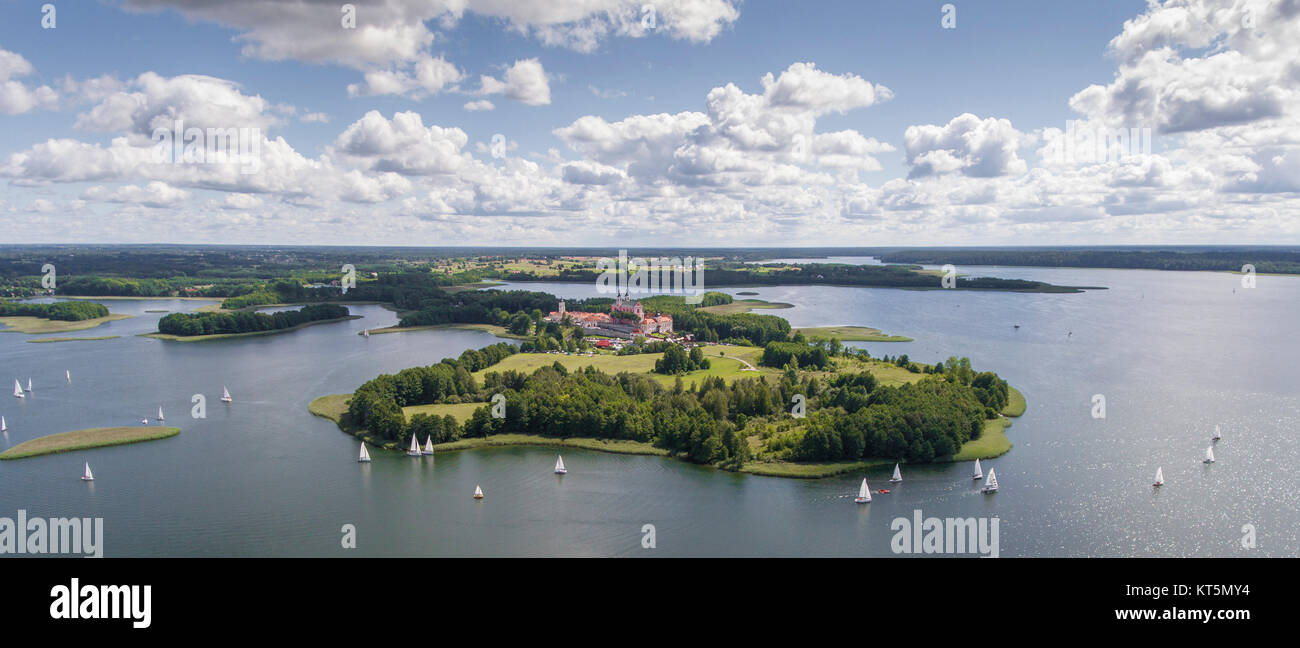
1016 70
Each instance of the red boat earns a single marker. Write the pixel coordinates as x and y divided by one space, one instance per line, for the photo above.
883 491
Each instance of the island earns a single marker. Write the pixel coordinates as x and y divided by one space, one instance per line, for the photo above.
58 317
773 402
193 327
88 438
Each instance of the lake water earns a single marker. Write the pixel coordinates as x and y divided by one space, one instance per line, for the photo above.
1173 354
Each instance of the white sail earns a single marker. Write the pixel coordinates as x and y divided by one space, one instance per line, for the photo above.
365 456
160 416
864 491
225 394
428 445
1209 455
366 332
991 484
1217 434
3 427
415 447
88 476
478 493
898 475
979 472
18 389
559 465
68 373
29 384
1160 476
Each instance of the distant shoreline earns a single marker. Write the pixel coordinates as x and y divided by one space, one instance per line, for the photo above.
28 324
221 336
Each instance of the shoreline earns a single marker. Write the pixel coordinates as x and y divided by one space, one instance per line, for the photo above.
992 443
87 439
220 336
499 331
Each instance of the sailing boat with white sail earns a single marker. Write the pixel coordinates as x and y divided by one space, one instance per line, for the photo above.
415 448
428 445
365 332
18 389
559 466
88 476
225 395
29 384
898 475
160 416
1217 434
478 492
991 484
1209 455
979 472
365 456
3 427
864 493
1160 477
67 373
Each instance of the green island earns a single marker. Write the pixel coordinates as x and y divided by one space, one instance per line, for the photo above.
88 438
744 306
724 406
850 334
202 326
72 339
58 317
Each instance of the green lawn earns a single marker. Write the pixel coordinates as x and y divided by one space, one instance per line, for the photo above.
460 411
1016 404
499 331
332 406
88 438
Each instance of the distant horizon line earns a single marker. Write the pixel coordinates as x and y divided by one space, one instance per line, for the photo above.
1046 246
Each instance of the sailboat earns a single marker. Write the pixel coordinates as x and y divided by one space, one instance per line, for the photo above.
898 475
864 493
365 332
18 389
1217 434
415 448
87 476
559 466
478 492
979 472
365 456
3 427
1209 455
991 484
428 445
29 384
67 373
160 416
225 395
1160 477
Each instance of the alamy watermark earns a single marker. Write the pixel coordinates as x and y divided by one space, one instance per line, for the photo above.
667 276
39 535
181 145
1087 145
945 535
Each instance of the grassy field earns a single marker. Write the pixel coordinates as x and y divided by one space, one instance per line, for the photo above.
726 362
331 407
222 336
42 325
460 411
809 470
499 331
73 339
89 438
850 334
601 445
1016 403
744 306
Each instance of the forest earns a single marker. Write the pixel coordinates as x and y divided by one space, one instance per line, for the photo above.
191 324
710 422
68 311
